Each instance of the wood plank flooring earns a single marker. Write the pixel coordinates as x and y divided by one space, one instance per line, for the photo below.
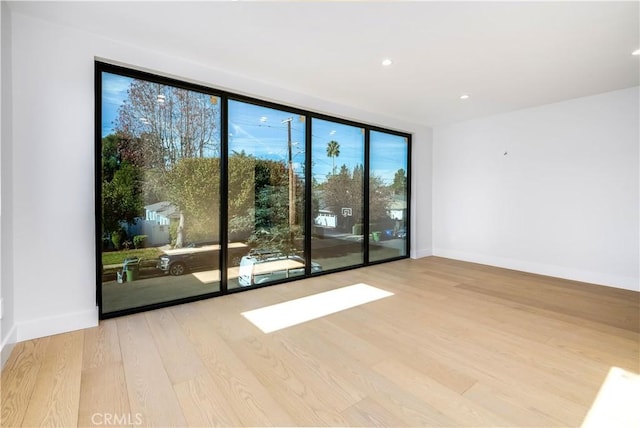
458 344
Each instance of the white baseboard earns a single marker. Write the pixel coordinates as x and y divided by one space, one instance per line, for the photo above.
7 345
42 327
627 283
418 254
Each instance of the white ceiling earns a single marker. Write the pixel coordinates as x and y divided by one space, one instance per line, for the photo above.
506 55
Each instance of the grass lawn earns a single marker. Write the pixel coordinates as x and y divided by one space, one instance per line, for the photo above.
117 257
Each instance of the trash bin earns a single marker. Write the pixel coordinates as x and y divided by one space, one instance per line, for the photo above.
376 236
132 268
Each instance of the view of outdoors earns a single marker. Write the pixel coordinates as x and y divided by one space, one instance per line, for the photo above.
161 154
387 196
266 194
160 192
338 189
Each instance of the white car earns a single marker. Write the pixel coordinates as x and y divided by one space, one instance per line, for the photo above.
260 268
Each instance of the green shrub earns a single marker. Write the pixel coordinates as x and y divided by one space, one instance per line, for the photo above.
118 237
140 241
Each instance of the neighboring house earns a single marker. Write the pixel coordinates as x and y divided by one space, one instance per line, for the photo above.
398 208
325 217
156 223
161 212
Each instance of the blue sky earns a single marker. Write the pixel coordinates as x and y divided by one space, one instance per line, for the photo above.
114 92
391 152
350 138
260 131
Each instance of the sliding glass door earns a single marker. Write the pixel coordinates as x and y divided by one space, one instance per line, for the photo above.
160 192
266 155
200 192
337 191
388 195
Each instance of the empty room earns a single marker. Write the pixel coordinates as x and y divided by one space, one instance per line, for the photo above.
263 213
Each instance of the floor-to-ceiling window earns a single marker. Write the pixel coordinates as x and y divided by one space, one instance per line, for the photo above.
159 185
337 169
388 195
200 192
265 175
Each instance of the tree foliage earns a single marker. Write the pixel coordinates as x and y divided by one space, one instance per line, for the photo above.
258 191
345 190
172 123
333 151
121 185
193 184
259 203
166 148
399 185
171 134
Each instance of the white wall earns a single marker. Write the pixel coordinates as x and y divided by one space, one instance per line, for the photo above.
421 189
7 323
53 155
2 6
563 201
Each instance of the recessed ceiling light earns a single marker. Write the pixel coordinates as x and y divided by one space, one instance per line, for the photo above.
464 96
263 119
387 62
636 52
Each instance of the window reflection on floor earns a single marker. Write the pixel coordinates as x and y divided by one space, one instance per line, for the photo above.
617 402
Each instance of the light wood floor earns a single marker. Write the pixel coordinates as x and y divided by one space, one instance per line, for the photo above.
459 344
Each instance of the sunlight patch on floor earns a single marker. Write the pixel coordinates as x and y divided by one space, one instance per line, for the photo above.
208 276
617 402
286 314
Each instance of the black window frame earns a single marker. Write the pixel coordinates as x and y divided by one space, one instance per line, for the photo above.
102 66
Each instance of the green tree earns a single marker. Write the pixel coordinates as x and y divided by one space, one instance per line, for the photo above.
121 185
166 125
380 198
399 185
110 157
333 151
241 182
345 190
193 184
259 203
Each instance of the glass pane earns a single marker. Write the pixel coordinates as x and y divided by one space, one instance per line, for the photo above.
266 195
387 196
160 193
337 169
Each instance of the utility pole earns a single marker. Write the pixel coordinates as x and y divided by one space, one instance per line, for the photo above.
292 184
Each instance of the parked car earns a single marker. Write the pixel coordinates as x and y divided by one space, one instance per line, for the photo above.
192 258
261 267
401 233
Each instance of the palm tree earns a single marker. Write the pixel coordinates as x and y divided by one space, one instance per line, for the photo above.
333 151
